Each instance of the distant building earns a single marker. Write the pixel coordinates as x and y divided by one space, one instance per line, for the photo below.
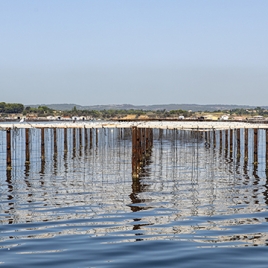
224 117
256 118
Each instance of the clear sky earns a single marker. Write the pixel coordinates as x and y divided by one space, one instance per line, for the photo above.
134 51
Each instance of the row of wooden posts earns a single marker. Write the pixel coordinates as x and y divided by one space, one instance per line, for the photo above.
27 142
142 143
140 150
210 136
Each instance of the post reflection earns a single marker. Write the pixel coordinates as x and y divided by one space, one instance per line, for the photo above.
10 197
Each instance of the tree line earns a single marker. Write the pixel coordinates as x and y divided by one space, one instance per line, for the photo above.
42 111
10 108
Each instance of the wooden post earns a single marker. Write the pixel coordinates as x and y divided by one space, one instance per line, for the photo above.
246 144
80 141
143 144
65 145
134 153
214 138
90 132
27 149
55 141
55 150
97 138
8 139
255 146
42 144
266 132
151 138
74 141
86 138
139 153
231 143
160 134
238 142
65 140
147 135
220 141
80 137
226 142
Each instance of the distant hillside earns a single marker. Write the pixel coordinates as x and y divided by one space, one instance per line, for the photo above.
168 107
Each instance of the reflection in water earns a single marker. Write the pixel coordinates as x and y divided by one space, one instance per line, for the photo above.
186 191
10 197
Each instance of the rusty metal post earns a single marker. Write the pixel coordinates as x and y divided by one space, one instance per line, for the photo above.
8 140
42 144
255 146
27 148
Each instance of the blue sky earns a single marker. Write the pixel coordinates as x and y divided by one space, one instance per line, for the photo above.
137 52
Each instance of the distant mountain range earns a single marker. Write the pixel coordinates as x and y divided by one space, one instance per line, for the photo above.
168 107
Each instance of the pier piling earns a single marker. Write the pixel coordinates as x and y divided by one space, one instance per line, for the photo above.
65 140
90 138
74 139
27 148
134 152
142 142
255 146
238 142
266 151
86 138
226 142
8 141
42 144
80 137
97 136
55 141
231 143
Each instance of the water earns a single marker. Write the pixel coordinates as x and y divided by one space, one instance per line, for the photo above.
191 207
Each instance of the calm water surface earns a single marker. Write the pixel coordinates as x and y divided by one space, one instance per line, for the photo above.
193 206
